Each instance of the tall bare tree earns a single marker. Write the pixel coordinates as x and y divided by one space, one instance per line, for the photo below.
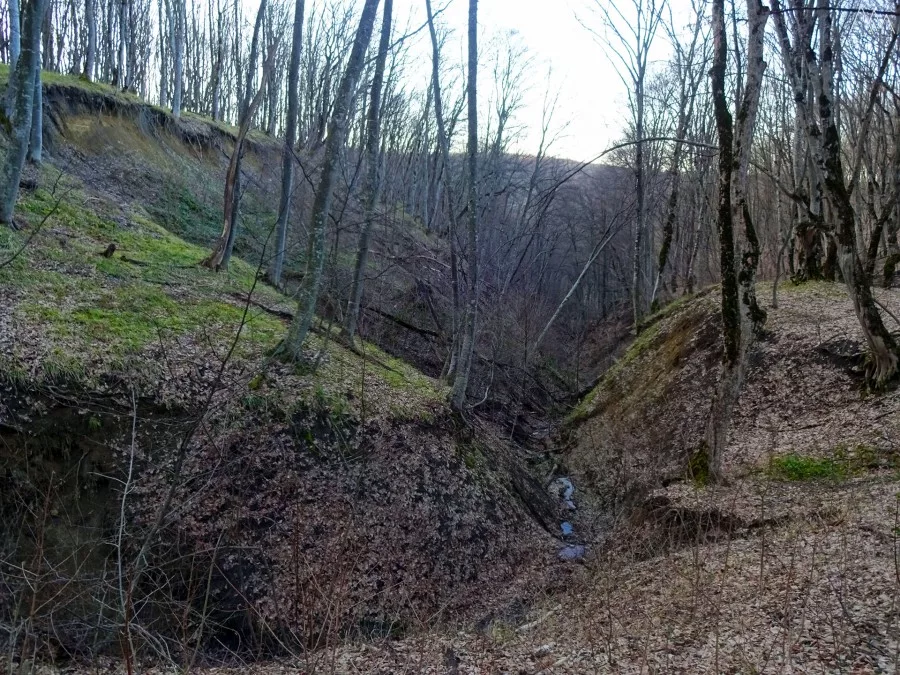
467 345
634 29
221 253
290 140
443 140
372 188
290 348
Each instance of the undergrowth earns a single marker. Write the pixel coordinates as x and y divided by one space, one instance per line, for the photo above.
841 463
795 467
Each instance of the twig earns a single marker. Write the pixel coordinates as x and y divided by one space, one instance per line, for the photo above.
40 225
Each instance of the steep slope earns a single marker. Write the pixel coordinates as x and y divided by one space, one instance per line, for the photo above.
790 567
166 487
803 393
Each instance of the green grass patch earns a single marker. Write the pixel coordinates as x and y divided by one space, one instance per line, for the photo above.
793 467
844 461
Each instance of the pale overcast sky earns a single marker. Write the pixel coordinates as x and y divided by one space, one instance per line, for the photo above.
592 97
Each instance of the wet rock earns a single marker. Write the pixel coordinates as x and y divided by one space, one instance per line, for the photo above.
572 552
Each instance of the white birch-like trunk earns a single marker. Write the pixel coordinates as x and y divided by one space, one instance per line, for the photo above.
22 112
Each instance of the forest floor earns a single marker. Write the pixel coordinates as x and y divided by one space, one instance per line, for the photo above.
792 566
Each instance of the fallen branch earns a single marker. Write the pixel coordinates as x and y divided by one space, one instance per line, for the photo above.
280 313
404 324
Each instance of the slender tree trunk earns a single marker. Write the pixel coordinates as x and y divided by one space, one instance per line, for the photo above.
372 189
178 34
22 114
638 296
444 147
15 48
90 18
221 253
467 347
36 140
164 11
729 381
15 34
290 140
598 249
308 293
121 65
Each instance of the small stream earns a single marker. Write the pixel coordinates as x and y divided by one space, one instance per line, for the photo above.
564 490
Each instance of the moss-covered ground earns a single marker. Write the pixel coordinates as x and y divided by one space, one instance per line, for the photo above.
77 315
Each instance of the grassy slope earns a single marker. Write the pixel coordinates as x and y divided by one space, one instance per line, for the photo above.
71 314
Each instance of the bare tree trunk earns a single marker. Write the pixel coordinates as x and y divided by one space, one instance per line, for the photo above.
729 381
15 35
687 97
22 114
882 345
178 34
221 253
308 293
372 189
756 66
90 18
444 147
461 381
637 278
290 140
36 140
15 48
218 56
119 79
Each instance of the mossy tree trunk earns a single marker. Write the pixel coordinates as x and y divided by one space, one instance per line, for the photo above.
372 188
746 124
15 34
15 48
817 107
290 348
882 346
741 315
729 381
24 77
